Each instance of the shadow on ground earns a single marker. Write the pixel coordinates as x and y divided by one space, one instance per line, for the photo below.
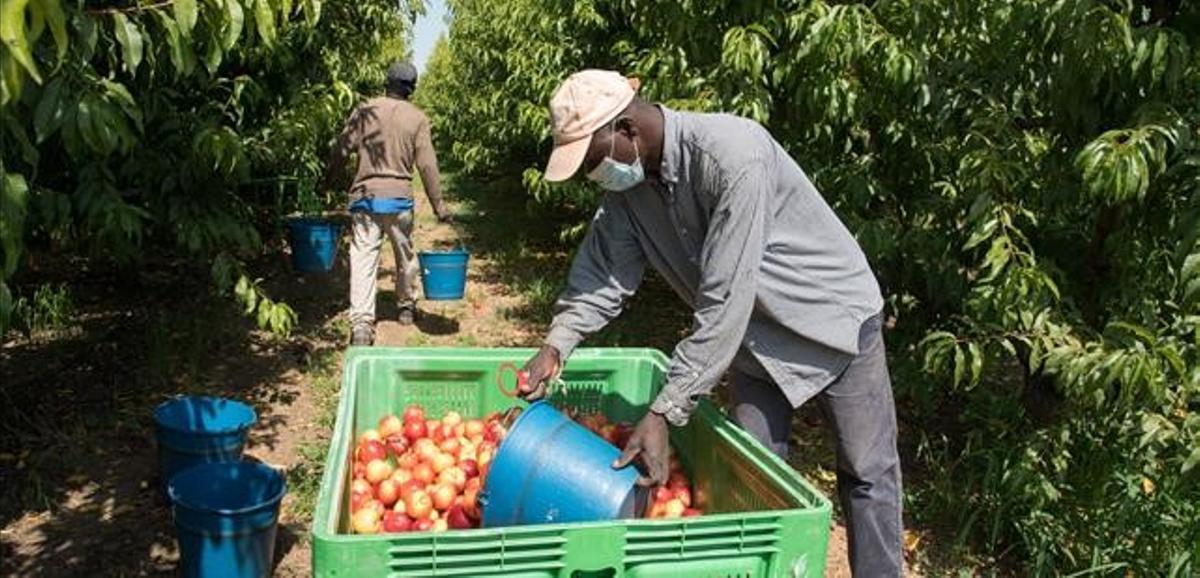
78 474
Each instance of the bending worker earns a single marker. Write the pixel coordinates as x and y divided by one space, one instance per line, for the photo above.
783 296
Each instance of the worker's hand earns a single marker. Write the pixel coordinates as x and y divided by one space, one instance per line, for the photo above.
650 444
446 217
542 368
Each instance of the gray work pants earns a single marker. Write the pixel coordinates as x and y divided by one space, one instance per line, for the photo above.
365 245
861 415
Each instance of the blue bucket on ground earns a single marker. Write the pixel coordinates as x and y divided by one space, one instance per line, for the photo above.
444 274
550 469
314 244
226 515
195 430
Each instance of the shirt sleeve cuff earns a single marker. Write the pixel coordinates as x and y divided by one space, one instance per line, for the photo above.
564 340
677 413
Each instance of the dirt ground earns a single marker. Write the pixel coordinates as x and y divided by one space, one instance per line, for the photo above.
81 492
77 465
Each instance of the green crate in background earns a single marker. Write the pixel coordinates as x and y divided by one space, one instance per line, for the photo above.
761 518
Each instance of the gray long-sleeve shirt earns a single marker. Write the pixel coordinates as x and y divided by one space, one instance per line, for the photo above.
776 281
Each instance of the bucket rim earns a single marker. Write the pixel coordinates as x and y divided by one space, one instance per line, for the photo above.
310 221
535 406
443 252
158 417
269 502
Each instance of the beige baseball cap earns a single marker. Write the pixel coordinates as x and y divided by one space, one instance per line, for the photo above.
586 101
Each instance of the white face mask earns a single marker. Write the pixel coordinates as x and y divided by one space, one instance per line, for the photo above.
617 176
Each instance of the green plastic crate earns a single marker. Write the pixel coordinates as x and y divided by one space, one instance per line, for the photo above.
761 518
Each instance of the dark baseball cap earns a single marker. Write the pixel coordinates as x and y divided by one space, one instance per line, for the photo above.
400 72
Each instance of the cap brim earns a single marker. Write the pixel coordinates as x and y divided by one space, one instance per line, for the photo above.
566 158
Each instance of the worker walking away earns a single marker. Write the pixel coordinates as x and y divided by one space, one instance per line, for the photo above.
390 137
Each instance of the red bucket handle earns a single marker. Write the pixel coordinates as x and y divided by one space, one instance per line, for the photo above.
522 379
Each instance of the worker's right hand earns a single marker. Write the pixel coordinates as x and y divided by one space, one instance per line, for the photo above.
539 370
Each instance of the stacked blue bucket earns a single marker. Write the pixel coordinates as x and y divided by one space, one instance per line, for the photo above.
226 510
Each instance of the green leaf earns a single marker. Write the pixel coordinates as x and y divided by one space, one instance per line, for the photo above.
12 33
1191 292
6 308
10 80
976 362
1141 333
982 233
105 126
264 20
37 22
934 337
312 12
235 20
1158 62
960 365
1191 266
84 125
117 92
182 56
48 115
981 203
997 257
129 36
214 55
185 15
1191 461
251 299
1009 347
16 131
88 31
264 312
57 21
13 200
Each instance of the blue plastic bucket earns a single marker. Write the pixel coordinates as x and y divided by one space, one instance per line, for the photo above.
314 244
195 430
444 274
226 515
550 469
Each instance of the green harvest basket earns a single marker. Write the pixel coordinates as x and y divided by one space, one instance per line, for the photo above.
761 518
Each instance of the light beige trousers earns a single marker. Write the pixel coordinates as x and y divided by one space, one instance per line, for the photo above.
365 246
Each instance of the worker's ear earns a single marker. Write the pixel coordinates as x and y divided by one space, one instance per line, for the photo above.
626 126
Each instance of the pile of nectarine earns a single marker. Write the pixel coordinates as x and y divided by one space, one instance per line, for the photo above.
413 474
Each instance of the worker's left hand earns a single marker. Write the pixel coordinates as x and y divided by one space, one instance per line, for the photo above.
650 443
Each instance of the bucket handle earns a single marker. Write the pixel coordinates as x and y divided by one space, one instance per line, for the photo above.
522 379
554 386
